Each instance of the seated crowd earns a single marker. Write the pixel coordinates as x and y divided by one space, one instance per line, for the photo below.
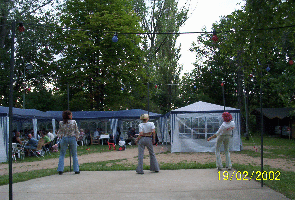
29 143
49 140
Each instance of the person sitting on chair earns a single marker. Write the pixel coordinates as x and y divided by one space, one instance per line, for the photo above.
16 138
131 136
31 144
81 137
96 133
46 139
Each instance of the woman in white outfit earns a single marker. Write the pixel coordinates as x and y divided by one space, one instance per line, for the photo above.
146 138
223 136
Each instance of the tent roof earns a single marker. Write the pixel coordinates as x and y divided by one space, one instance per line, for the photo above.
272 113
204 107
121 114
19 113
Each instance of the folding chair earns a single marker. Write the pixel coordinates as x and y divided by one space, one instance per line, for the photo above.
111 145
94 140
14 151
82 140
47 147
19 150
39 151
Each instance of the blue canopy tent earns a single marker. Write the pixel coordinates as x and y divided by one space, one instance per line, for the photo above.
3 136
193 124
113 118
121 114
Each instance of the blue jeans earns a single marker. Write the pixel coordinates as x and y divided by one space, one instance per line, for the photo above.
64 143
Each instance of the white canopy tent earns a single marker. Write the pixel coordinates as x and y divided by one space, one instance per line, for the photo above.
193 124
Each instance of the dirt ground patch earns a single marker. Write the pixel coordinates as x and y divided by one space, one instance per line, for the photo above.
130 157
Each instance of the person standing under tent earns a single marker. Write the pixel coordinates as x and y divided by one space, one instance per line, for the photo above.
146 138
223 136
68 133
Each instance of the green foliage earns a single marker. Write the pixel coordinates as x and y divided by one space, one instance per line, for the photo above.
161 52
249 41
109 75
34 46
69 46
40 100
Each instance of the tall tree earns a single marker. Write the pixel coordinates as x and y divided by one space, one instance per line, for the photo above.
159 20
34 48
252 51
100 73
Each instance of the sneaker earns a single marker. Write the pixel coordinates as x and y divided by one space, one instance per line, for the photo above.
78 172
140 172
228 168
219 168
60 172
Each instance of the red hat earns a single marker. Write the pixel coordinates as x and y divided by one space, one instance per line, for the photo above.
227 117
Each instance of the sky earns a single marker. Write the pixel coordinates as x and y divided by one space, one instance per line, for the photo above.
203 13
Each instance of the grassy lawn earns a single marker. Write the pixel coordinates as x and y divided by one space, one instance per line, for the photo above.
282 181
82 150
274 147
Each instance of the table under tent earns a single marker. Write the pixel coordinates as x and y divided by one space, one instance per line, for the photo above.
193 124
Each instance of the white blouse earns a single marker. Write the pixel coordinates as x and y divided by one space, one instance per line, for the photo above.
146 127
226 128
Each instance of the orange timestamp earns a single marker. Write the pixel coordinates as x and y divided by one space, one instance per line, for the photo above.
247 176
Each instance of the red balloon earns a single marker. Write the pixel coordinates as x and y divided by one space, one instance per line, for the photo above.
291 62
156 86
222 84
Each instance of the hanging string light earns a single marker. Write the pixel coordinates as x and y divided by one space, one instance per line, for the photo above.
21 27
115 37
291 62
214 37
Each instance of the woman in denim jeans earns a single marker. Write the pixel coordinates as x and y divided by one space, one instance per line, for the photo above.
68 133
